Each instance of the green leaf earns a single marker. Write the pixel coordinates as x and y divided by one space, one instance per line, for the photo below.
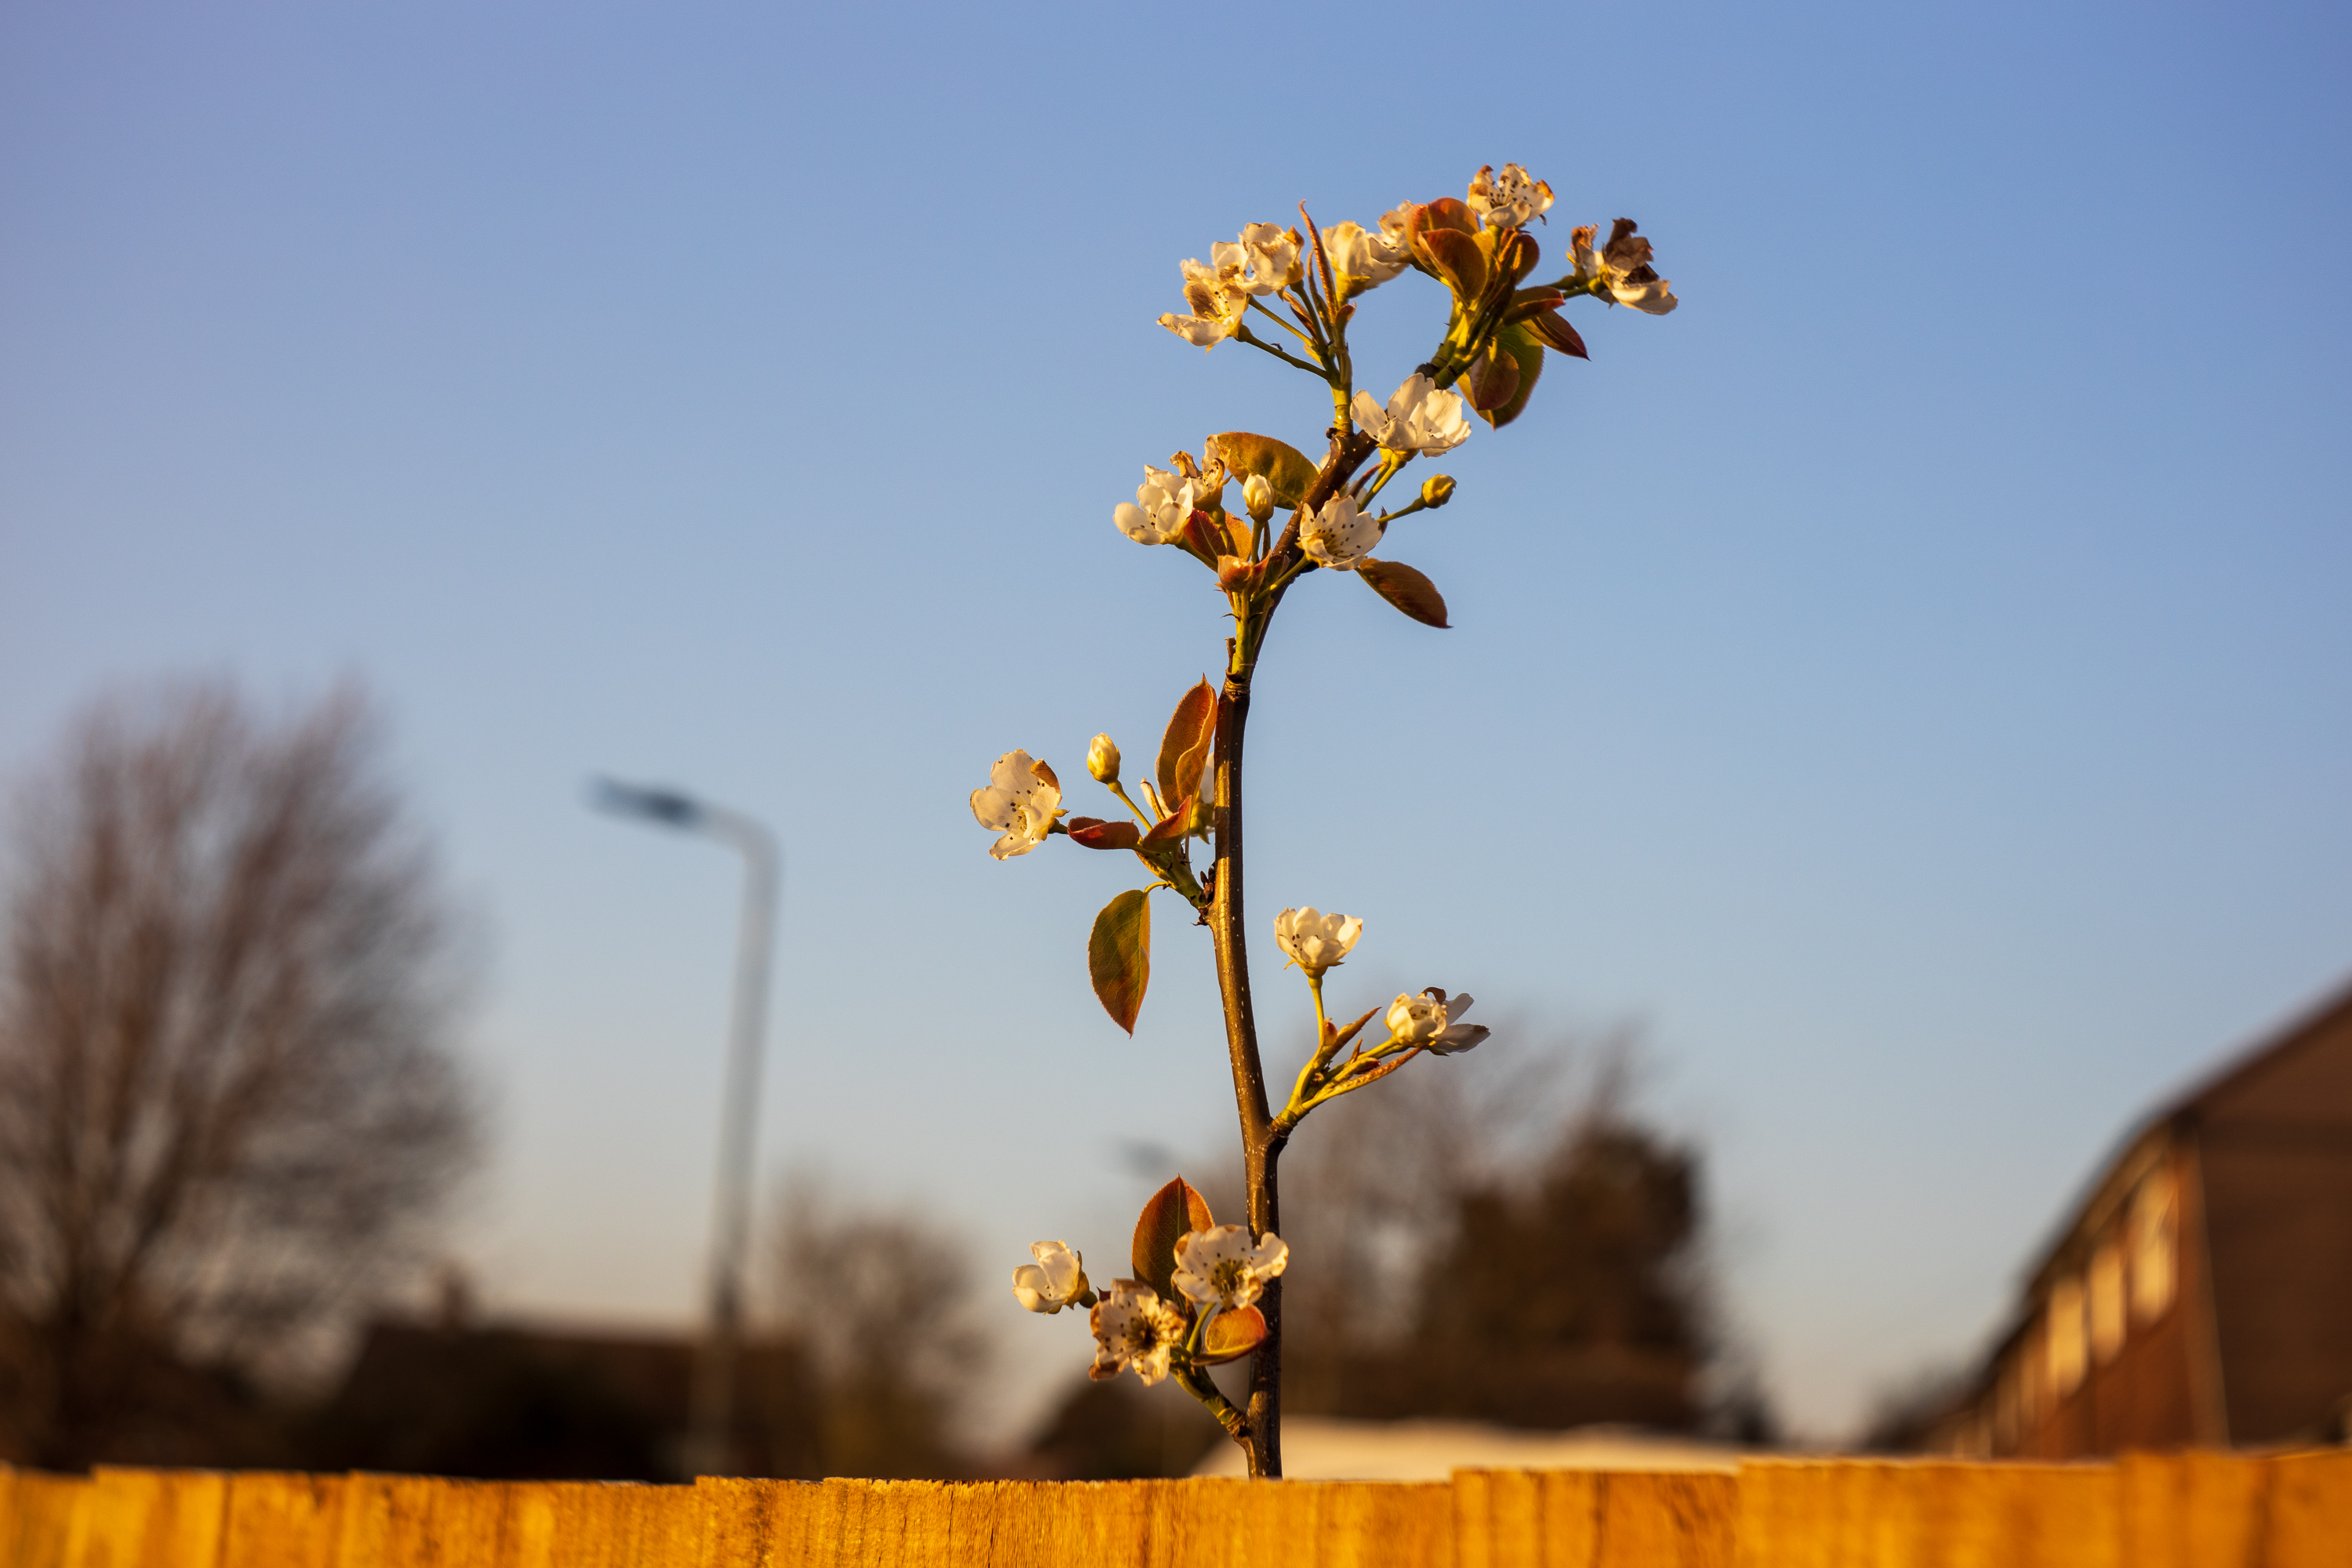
1232 1335
1173 1210
1119 956
1185 749
1407 589
1521 343
1456 259
1283 466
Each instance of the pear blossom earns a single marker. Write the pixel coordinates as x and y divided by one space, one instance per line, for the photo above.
1163 503
1263 261
1021 801
1509 199
1222 1267
1419 418
1102 759
1314 940
1340 536
1428 1020
1133 1327
1217 302
1057 1279
1257 497
1364 259
1622 268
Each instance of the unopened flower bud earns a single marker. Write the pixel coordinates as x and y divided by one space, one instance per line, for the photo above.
1102 760
1258 497
1436 490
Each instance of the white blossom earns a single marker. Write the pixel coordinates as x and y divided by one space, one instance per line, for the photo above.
1622 268
1102 759
1313 941
1263 261
1163 503
1217 303
1020 801
1509 199
1364 259
1056 1281
1133 1327
1419 418
1341 535
1428 1020
1221 1268
1257 497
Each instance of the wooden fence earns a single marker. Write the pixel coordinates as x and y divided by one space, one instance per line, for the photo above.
2194 1510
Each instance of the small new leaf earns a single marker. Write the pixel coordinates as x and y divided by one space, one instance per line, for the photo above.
1520 343
1407 589
1094 833
1185 749
1281 465
1119 956
1173 1210
1456 259
1232 1335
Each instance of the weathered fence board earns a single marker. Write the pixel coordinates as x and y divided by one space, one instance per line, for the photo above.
2176 1510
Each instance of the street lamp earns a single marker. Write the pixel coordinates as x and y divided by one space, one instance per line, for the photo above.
711 1407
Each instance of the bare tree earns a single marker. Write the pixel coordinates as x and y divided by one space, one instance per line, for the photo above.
881 1298
226 1101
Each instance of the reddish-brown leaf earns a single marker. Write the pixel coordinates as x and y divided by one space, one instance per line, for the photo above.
1173 1210
1407 589
1456 259
1095 833
1520 344
1232 1335
1493 377
1119 956
1170 827
1552 329
1185 749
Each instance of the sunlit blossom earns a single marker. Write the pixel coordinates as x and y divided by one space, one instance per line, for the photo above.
1163 503
1622 268
1364 259
1429 1020
1020 801
1263 261
1507 200
1418 419
1341 535
1314 940
1134 1328
1217 303
1222 1267
1057 1279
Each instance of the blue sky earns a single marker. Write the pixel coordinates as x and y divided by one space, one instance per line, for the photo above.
1911 682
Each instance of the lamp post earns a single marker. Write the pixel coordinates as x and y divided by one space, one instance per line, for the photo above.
711 1407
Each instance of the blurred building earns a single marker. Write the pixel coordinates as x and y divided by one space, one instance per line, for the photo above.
512 1402
2201 1292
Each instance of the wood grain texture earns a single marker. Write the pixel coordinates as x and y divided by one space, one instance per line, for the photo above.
2172 1511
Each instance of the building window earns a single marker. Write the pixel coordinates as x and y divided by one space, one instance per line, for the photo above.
2155 1245
2066 1344
2108 1300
